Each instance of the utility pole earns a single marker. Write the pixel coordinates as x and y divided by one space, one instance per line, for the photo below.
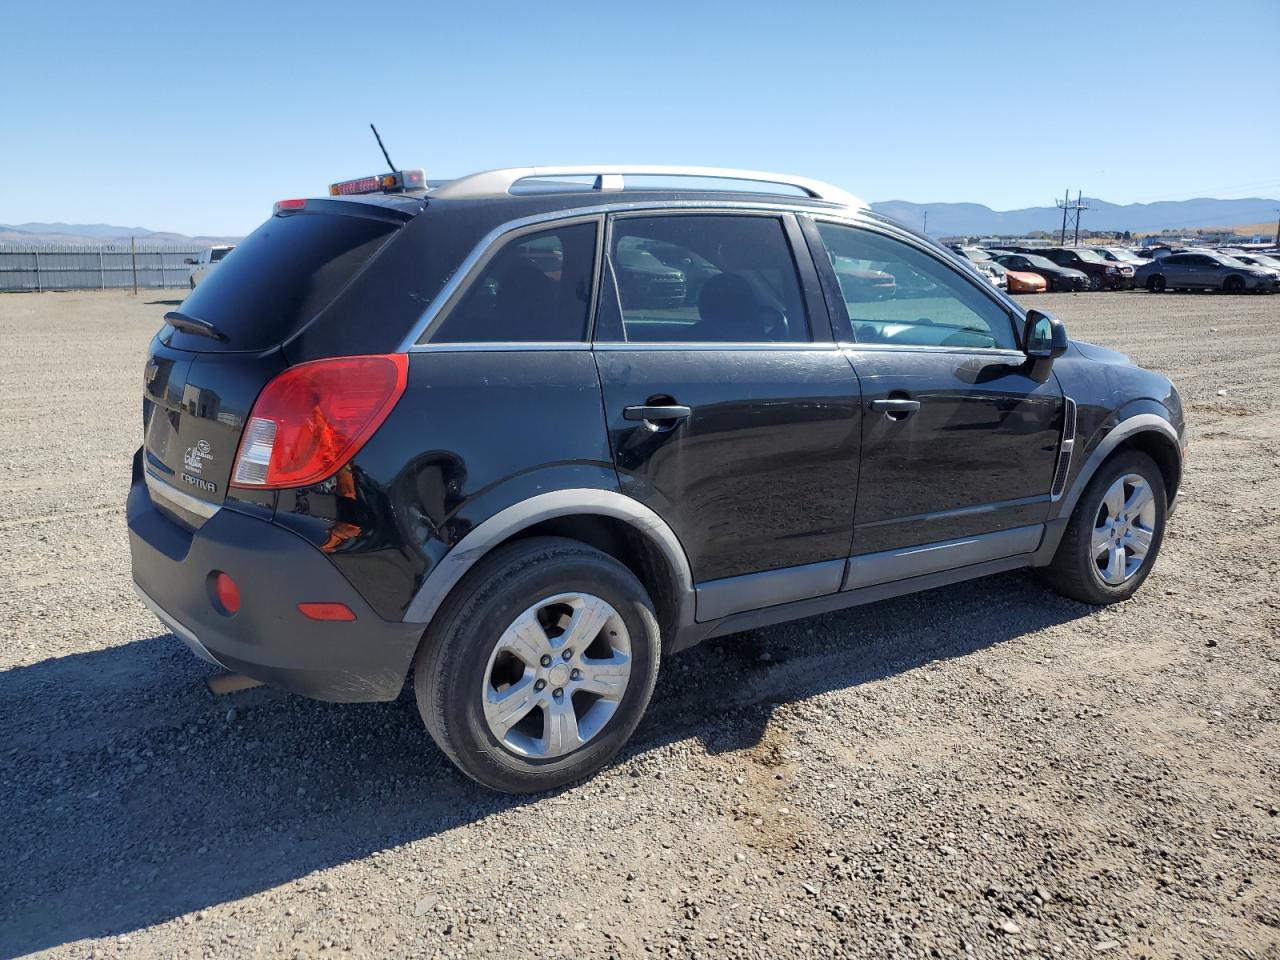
1278 227
1073 210
925 231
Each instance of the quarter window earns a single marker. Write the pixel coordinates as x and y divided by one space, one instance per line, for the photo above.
896 294
706 279
537 288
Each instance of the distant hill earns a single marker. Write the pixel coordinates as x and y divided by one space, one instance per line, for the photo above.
945 220
958 219
93 234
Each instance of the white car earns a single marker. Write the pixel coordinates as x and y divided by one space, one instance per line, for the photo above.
210 258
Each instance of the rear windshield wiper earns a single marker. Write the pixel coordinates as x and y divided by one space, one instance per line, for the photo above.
195 325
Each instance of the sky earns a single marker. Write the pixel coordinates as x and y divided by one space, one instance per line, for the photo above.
196 117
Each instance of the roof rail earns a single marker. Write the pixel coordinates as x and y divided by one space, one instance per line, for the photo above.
496 183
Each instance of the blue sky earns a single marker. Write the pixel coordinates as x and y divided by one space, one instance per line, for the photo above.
196 117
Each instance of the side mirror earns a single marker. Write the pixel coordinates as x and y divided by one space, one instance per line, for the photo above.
1045 338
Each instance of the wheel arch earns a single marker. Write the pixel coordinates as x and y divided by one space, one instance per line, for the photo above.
611 522
1149 433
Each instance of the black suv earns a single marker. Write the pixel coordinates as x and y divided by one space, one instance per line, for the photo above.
432 429
1102 274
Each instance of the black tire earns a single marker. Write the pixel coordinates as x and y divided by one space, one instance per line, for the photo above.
1073 572
1233 285
1155 284
450 667
1095 282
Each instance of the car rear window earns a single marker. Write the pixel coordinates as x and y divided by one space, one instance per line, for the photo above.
281 276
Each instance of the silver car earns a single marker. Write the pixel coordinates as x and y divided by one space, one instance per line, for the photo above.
1203 270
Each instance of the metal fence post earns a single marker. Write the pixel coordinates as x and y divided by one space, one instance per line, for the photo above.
163 285
133 258
102 272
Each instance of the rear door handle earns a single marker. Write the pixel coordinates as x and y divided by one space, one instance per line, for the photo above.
665 415
896 409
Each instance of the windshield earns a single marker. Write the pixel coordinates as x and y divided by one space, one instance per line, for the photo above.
1124 256
1264 261
1040 262
1088 256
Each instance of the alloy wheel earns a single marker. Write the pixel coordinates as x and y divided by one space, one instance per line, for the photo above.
556 675
1124 529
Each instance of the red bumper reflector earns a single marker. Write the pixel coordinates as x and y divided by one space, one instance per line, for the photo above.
226 593
326 611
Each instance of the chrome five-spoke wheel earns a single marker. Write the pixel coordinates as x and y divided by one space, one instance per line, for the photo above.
556 675
1124 529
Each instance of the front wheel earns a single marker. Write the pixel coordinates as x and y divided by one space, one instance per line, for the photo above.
1233 285
1114 535
1155 284
539 665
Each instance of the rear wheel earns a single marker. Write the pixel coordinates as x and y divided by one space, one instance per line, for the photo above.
1233 285
538 667
1095 282
1155 284
1114 535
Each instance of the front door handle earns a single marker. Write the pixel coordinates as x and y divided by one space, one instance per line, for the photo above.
661 417
896 409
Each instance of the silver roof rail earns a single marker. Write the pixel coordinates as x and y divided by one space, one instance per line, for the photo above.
497 183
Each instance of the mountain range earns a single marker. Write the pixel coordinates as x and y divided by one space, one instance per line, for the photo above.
945 220
973 219
93 234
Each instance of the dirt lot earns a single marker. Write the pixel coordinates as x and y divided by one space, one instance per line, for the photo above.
986 769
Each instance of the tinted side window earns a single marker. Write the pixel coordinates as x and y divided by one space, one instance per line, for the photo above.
537 288
897 294
1179 259
707 279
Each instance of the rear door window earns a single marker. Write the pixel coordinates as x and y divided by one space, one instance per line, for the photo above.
535 289
706 279
282 275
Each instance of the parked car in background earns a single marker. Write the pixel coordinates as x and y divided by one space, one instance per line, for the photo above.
1055 277
1102 274
993 272
646 279
1204 270
1259 260
210 258
1019 281
1120 255
863 281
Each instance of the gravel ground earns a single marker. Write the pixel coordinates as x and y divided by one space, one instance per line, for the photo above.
986 770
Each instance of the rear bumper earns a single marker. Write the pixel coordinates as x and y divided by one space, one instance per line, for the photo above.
268 639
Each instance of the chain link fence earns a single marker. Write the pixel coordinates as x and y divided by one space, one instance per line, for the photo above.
37 267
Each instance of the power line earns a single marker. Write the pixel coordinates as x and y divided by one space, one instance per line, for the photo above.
1073 211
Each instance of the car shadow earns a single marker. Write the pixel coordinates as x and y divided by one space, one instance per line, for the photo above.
134 796
164 303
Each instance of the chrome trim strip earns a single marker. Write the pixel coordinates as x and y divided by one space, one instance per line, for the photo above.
178 630
171 495
726 347
926 348
1065 448
569 215
871 569
497 346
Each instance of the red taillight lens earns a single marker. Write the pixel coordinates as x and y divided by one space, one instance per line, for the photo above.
313 418
326 611
226 593
289 205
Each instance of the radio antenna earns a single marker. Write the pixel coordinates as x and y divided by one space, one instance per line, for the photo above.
382 148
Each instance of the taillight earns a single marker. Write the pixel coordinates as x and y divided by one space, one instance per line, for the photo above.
226 594
313 418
